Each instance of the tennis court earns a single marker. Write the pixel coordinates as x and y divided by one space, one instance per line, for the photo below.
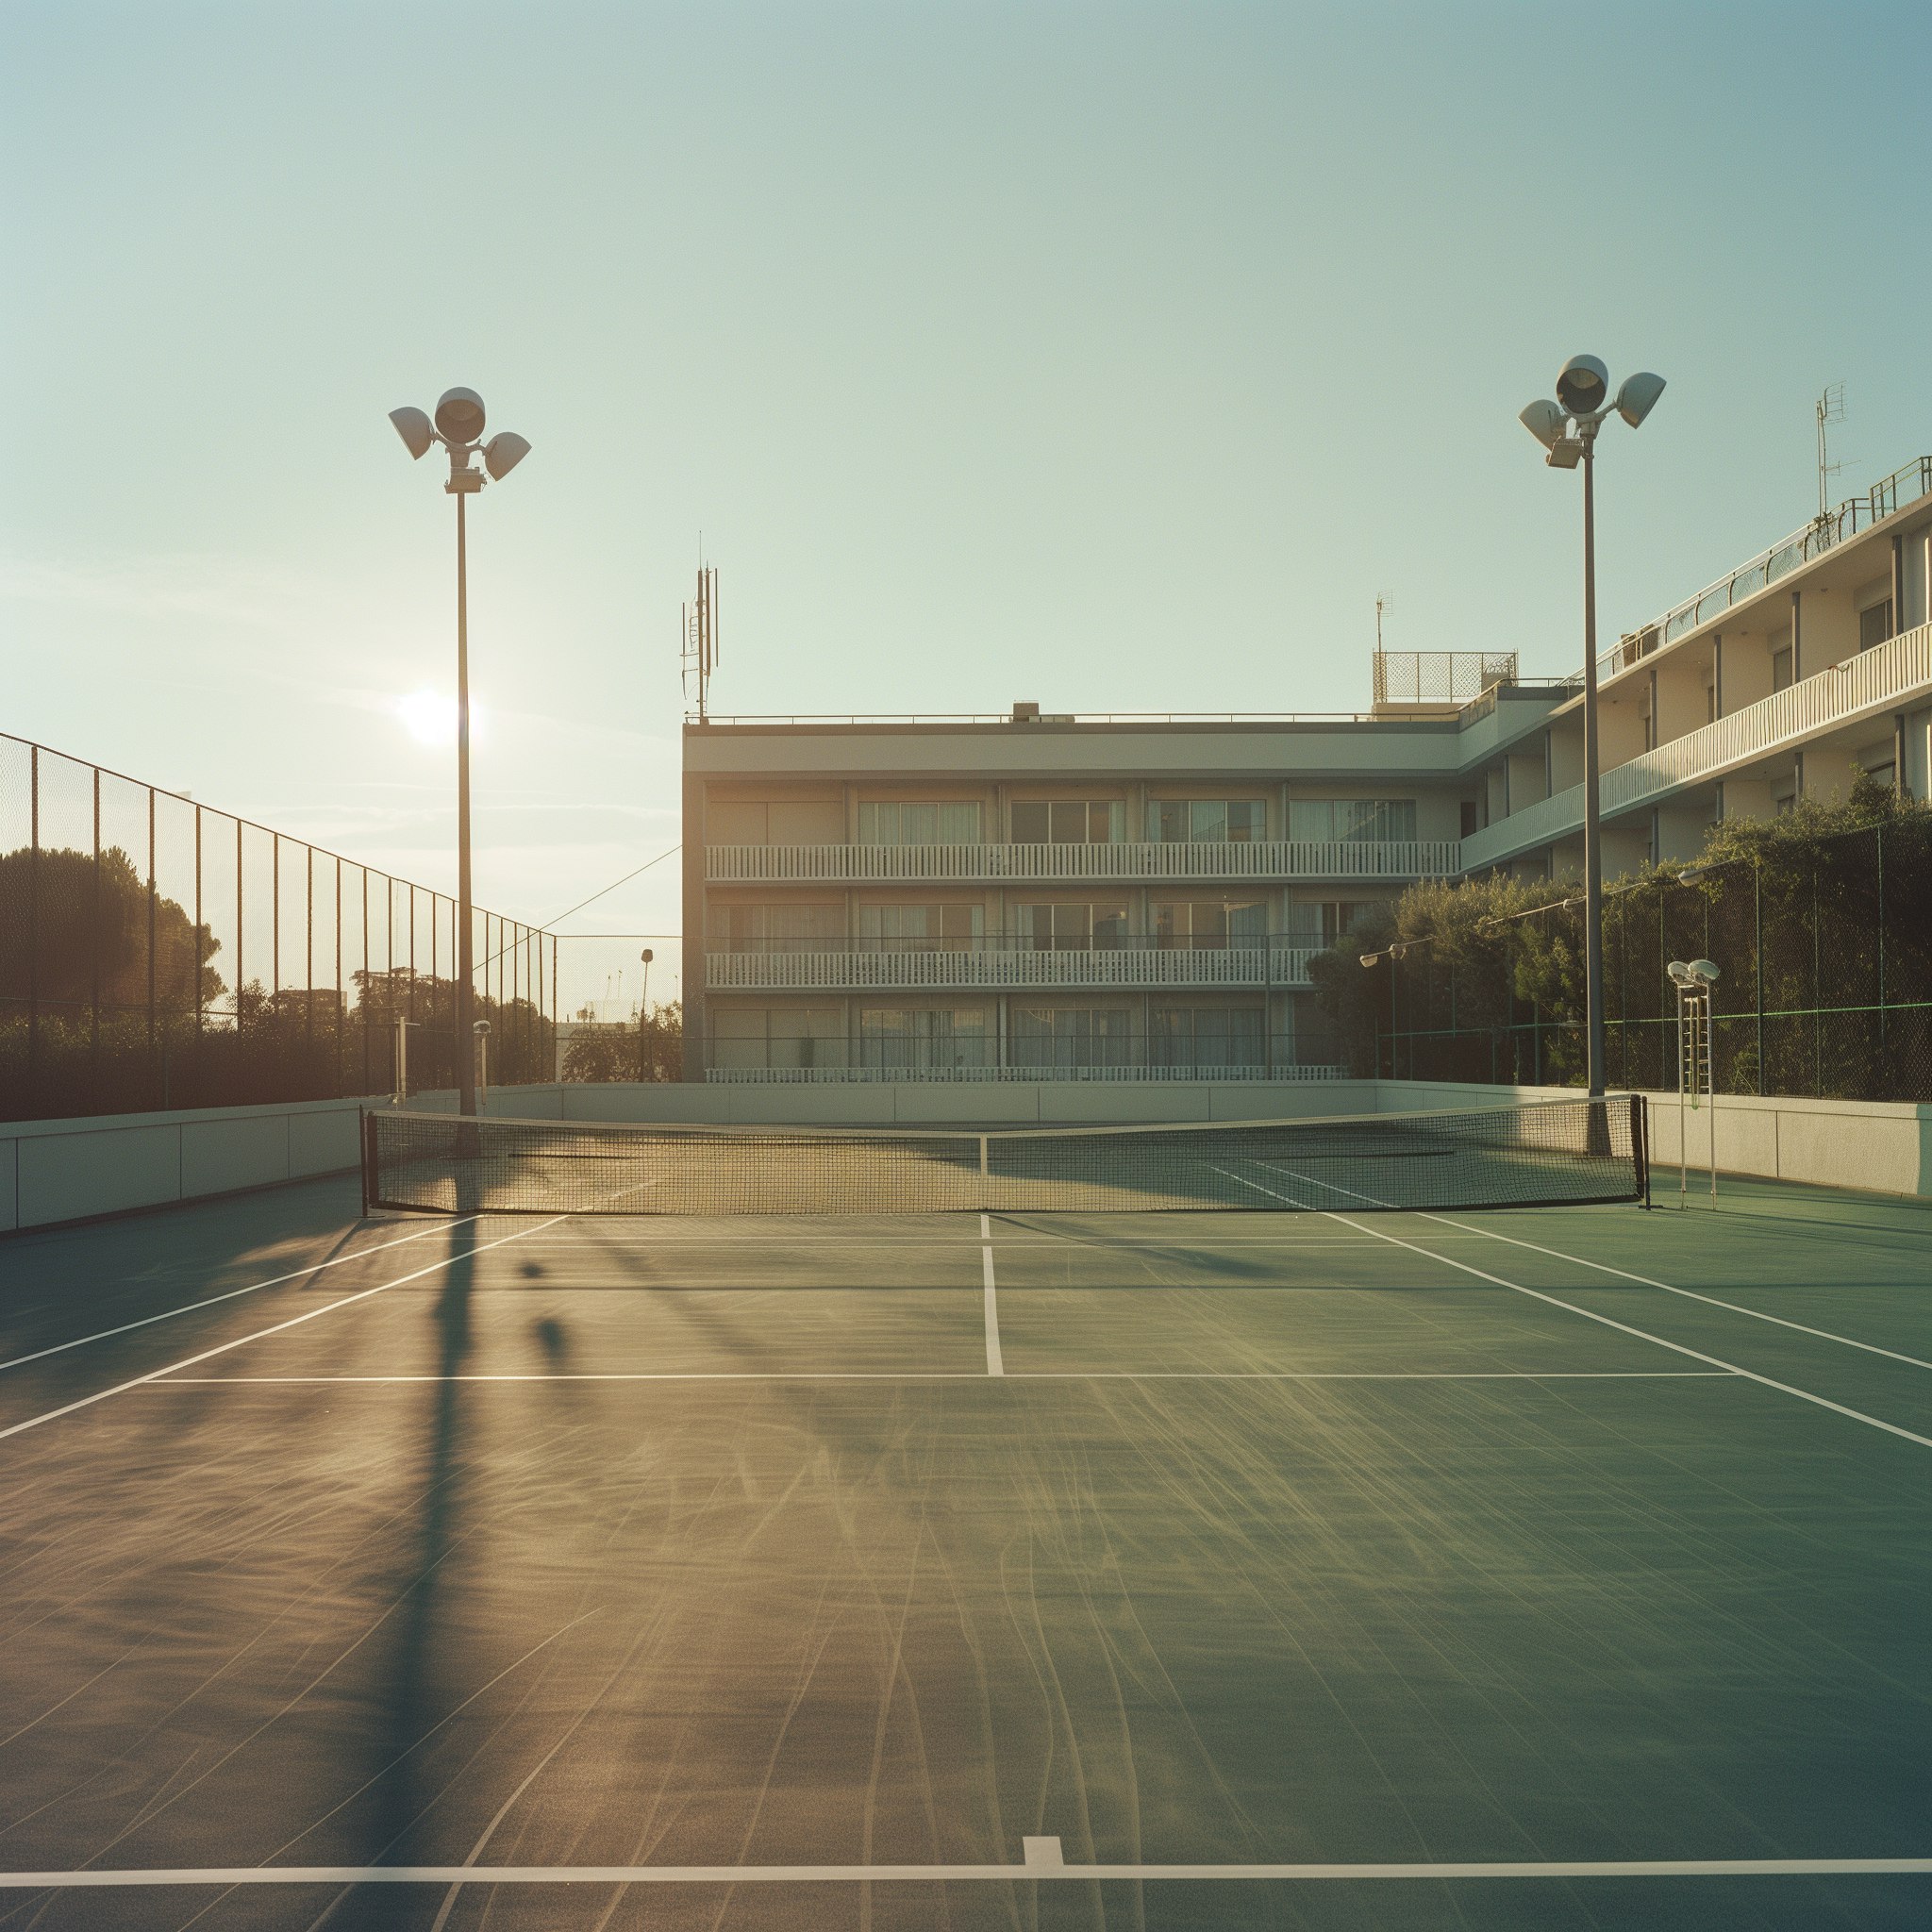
1566 1566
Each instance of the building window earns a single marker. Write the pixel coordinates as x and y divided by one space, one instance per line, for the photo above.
1466 818
1781 662
1875 625
921 928
781 928
922 1039
1339 917
1051 1038
1207 821
784 1037
1207 1037
1077 927
1209 924
1067 822
921 822
1352 821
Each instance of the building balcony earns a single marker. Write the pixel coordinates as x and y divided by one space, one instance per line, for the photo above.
997 964
1341 859
1862 688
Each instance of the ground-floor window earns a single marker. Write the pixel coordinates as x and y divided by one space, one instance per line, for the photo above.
1207 1037
925 1039
788 1037
1055 1036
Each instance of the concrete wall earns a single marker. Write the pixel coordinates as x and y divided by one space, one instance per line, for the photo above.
1881 1146
55 1171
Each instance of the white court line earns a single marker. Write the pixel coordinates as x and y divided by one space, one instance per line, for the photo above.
1691 1294
995 1362
242 1341
229 1294
1856 1415
1041 1868
165 1381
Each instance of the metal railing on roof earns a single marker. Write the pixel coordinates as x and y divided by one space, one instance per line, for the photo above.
1906 485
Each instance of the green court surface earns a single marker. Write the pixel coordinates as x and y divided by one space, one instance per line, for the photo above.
1555 1567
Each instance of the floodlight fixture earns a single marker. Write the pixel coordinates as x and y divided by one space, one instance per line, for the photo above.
1706 971
415 429
480 1027
1583 385
1565 453
1543 420
1369 958
1694 874
503 453
1638 396
1680 971
647 956
459 415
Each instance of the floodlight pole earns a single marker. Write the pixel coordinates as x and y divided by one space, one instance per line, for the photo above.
1592 827
466 1067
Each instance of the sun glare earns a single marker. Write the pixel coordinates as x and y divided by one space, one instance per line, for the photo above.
431 718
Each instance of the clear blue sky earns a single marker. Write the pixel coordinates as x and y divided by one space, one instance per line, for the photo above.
1110 356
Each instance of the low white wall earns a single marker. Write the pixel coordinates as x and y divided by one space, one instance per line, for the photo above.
73 1169
56 1171
1882 1146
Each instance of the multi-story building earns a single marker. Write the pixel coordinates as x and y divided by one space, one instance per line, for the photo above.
1049 897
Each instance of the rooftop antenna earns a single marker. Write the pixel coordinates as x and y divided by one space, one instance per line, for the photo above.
1385 607
698 629
1831 409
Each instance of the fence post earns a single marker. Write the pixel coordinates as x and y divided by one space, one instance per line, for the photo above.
33 928
1757 950
151 943
1878 844
1817 975
93 952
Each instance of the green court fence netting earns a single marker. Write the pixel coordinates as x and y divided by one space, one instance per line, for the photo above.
1825 986
156 953
1547 1154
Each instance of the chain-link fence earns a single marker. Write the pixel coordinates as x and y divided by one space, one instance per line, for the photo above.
156 953
1824 987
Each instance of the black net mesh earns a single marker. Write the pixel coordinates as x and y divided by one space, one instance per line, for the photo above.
1551 1153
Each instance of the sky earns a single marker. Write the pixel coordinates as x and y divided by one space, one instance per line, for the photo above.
1112 357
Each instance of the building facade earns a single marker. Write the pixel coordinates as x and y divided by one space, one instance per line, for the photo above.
1096 897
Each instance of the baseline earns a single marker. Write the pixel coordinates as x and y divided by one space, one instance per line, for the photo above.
1036 1867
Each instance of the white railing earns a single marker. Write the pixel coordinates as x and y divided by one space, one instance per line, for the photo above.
1273 858
1291 1074
1012 966
1874 681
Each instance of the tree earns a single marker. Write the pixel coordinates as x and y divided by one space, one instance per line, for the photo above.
650 1049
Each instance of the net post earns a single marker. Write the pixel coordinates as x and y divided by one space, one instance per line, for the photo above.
1639 1144
367 1121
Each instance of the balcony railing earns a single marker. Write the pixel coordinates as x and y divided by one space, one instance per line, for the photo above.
1006 963
1869 684
1288 1073
1265 859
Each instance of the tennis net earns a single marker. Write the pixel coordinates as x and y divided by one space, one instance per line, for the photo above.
1554 1153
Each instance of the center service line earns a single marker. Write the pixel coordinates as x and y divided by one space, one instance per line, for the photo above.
995 1362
